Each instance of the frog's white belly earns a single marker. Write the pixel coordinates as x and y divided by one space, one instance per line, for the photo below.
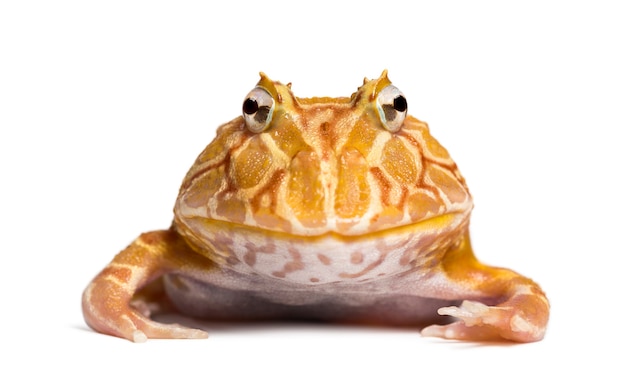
389 277
232 296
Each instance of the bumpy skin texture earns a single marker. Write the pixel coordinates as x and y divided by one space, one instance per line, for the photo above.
340 209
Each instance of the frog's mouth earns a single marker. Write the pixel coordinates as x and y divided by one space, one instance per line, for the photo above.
202 228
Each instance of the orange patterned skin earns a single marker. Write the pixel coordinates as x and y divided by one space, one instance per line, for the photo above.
340 209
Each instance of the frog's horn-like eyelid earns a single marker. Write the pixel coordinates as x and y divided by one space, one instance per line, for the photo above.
270 86
380 84
289 85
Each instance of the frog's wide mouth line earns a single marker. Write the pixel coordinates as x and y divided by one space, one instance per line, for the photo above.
436 224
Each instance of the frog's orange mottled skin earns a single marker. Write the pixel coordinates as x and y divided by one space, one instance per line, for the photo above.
342 209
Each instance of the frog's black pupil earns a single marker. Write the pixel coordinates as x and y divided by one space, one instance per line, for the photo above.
250 106
399 103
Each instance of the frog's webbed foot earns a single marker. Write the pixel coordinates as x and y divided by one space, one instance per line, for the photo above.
108 304
515 321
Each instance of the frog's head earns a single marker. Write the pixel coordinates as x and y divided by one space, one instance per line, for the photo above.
311 166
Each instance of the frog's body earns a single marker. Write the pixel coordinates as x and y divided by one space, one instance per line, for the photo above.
326 208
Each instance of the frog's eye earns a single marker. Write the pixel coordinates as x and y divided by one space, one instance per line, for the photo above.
392 108
258 108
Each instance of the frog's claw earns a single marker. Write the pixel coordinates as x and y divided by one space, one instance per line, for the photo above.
107 299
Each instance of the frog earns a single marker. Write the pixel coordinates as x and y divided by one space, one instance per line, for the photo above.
335 209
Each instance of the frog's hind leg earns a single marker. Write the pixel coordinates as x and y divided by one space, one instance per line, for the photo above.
107 299
518 309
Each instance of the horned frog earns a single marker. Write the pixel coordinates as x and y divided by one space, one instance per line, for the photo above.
339 209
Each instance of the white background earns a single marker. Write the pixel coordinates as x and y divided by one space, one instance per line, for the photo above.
105 105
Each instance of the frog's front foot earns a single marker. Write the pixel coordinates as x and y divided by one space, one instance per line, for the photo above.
127 322
108 304
479 322
106 310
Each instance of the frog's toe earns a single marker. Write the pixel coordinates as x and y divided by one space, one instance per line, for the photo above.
139 329
460 331
169 331
479 322
475 313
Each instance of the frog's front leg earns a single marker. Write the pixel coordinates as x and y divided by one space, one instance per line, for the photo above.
106 300
518 309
